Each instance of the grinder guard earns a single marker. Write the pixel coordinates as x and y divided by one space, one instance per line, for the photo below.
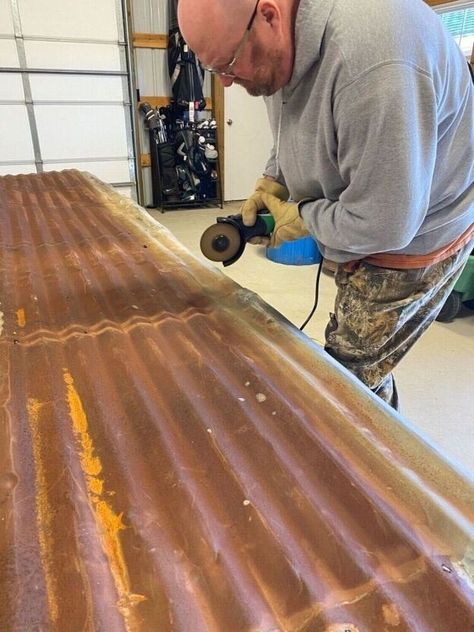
262 227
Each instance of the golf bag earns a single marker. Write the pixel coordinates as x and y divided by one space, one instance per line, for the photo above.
182 148
185 71
162 155
183 158
197 159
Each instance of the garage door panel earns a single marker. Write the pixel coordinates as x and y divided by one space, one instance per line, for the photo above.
66 88
11 88
80 118
87 19
107 170
84 131
15 137
6 22
72 55
8 53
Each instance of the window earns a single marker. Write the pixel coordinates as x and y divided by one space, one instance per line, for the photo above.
460 23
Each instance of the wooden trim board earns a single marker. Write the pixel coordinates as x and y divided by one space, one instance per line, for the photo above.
150 40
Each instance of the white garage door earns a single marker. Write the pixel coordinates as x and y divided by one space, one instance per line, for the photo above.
64 89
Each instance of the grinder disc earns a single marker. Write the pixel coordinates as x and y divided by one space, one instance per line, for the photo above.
220 242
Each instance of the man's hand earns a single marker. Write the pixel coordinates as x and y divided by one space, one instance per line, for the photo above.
288 223
254 204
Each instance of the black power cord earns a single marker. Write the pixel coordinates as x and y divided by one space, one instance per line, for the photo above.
316 295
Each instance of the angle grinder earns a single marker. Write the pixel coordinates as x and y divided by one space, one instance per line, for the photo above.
226 239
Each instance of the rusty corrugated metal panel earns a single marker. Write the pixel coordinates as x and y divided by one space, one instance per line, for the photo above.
175 456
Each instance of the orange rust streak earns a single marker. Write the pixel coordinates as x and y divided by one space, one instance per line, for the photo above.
21 317
110 523
43 509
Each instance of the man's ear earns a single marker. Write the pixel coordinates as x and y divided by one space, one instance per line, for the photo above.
270 12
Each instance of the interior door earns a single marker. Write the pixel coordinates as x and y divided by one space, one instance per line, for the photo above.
248 141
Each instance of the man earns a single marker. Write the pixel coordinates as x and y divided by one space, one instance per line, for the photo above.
371 106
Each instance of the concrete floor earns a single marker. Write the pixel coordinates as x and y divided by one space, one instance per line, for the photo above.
435 380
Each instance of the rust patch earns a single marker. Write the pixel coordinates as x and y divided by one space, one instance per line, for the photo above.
391 614
110 524
20 317
43 508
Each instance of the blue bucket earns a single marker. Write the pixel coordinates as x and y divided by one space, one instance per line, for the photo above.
301 252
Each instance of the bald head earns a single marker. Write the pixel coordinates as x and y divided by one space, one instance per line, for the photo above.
214 30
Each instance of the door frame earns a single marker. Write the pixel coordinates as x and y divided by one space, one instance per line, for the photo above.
217 95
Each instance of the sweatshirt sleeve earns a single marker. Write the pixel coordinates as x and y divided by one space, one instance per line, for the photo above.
272 168
386 128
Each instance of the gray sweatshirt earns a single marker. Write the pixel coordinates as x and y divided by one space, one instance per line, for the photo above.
376 128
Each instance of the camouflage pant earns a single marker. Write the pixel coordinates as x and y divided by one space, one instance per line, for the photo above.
380 313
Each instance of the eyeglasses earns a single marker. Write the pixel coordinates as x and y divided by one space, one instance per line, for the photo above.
228 69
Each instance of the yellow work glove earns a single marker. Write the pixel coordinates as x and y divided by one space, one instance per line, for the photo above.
254 204
288 222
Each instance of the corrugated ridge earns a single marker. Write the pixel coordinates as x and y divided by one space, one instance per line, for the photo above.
177 505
